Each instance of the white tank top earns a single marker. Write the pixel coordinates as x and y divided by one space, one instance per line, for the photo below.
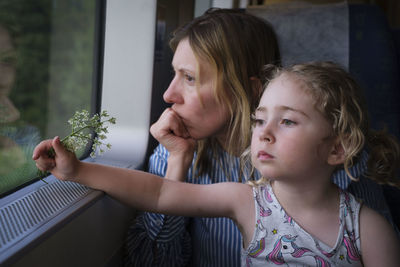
279 241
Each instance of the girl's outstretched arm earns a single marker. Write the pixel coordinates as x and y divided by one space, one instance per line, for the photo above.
146 191
379 242
119 183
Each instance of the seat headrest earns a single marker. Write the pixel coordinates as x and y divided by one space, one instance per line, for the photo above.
309 32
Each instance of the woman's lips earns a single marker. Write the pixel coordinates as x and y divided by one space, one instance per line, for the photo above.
184 121
262 155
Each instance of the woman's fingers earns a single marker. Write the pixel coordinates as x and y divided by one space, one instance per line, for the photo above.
171 132
169 123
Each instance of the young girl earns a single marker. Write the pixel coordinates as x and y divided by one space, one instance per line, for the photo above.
309 123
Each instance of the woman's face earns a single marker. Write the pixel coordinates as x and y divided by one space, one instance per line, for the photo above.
194 101
8 112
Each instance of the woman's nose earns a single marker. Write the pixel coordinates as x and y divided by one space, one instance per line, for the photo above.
172 95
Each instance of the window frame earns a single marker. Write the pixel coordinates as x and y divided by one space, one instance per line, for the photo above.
116 83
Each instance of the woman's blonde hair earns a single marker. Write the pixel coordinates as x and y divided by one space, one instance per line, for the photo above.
237 45
339 98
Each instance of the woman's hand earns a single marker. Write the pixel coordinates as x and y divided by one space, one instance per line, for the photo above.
170 131
63 165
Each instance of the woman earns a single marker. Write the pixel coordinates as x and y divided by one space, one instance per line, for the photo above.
217 63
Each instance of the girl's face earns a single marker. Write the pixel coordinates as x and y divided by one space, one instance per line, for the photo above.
192 100
290 137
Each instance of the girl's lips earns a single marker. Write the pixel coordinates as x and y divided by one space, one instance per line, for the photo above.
262 155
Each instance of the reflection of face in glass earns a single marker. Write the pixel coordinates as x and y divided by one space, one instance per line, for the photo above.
8 112
11 154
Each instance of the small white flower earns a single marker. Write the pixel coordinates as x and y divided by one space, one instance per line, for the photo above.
84 128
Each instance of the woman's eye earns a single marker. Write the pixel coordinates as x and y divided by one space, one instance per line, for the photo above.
8 59
287 122
257 122
189 78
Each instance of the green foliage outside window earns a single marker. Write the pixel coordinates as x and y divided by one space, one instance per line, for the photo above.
51 61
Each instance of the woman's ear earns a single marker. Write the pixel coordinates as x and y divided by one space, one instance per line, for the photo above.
337 153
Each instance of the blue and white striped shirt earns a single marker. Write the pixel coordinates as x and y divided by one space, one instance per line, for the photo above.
159 240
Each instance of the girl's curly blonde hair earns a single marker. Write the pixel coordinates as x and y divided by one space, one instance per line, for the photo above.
340 99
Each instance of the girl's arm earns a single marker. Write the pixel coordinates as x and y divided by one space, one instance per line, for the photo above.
379 242
146 191
154 237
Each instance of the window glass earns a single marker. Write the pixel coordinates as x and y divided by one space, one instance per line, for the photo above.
46 74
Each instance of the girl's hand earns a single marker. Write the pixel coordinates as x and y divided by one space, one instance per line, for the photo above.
63 165
172 133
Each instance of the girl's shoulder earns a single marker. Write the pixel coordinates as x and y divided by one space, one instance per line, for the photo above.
380 245
349 199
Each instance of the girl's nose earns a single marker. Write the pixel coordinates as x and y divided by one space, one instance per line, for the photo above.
172 95
266 134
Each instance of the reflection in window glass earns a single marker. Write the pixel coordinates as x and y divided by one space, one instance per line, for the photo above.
46 73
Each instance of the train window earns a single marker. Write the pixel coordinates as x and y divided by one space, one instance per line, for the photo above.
58 55
47 72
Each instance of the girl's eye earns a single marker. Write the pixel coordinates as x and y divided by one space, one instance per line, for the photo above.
288 122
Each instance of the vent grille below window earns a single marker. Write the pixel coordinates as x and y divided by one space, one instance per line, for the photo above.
25 215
